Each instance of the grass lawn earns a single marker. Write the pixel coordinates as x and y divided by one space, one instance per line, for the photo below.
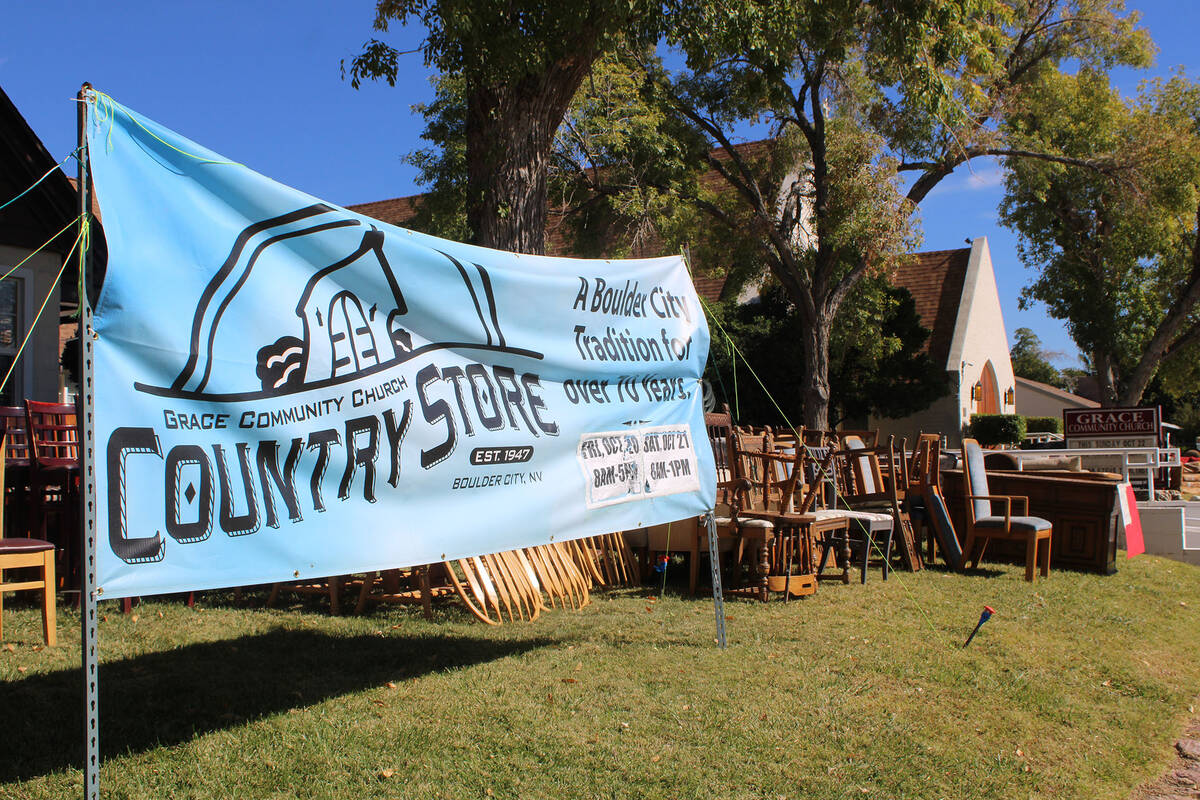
1075 688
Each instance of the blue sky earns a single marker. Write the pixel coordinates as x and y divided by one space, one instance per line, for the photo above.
260 83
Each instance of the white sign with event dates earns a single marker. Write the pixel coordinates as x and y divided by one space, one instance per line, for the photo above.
637 464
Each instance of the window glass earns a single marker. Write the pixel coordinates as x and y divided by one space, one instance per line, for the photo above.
10 339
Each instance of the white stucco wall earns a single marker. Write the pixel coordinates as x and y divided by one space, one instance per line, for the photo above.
980 336
39 361
941 417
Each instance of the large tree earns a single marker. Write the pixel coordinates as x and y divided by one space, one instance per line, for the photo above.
1030 359
1115 250
519 63
868 106
877 363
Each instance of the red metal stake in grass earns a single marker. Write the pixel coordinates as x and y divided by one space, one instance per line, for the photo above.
984 617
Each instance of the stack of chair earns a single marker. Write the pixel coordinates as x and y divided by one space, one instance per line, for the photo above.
512 583
782 505
871 487
926 505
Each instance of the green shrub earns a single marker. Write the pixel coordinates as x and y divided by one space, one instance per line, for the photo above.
1043 424
992 429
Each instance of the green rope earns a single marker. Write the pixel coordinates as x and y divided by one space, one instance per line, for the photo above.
83 251
106 109
800 443
49 172
737 410
17 358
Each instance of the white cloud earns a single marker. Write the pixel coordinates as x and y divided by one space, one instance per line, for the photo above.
982 180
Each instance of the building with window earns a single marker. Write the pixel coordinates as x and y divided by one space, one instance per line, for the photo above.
26 224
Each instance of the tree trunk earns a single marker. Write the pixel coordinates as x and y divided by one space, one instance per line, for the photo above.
1170 326
510 132
816 372
1106 378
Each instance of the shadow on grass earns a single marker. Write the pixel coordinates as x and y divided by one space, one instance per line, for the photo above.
167 698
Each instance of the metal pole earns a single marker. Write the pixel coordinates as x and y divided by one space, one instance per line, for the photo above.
87 488
710 523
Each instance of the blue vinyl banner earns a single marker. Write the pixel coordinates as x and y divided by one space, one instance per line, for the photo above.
286 389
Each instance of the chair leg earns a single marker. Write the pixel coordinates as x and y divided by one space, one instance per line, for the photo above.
1046 562
1 607
694 565
967 551
364 593
764 569
887 555
868 540
49 620
335 595
426 591
982 549
1031 551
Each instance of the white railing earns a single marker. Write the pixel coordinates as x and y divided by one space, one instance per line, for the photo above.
1042 437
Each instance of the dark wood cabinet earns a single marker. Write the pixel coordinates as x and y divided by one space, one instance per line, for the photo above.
1083 511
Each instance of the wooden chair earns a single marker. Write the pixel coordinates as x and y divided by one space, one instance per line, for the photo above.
776 495
422 584
16 464
871 487
53 434
984 525
19 553
720 430
755 524
494 585
926 505
331 586
607 559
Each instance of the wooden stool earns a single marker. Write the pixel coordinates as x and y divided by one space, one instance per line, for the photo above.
18 553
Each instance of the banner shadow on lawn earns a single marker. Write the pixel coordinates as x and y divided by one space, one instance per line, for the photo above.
162 699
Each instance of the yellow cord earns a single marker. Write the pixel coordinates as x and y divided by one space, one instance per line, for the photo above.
42 247
33 325
106 108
